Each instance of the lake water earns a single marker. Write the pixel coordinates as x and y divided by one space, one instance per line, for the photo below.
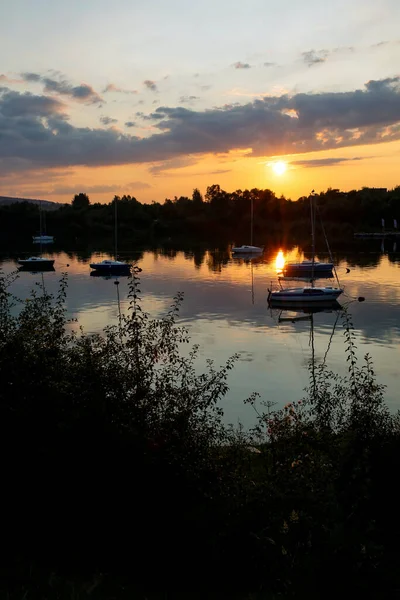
225 309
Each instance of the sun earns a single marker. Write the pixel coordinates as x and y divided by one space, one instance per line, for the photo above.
279 167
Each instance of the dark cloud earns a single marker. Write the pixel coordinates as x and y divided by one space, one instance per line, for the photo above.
108 120
81 93
323 162
30 76
16 105
185 99
313 57
154 116
35 132
130 124
111 87
150 85
241 65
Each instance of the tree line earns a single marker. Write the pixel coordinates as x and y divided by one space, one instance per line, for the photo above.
220 213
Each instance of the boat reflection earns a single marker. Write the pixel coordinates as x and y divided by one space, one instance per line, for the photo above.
35 268
109 276
307 308
280 262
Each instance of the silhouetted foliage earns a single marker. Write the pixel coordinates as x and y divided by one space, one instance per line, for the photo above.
222 215
80 201
120 470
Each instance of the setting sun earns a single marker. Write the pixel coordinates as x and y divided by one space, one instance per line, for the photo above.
279 167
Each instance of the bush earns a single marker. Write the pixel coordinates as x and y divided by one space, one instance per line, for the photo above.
118 462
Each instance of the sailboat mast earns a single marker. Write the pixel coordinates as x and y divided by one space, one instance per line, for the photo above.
116 229
251 222
312 209
40 227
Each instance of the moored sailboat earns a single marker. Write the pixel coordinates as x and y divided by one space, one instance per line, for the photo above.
42 238
38 263
307 294
249 249
116 267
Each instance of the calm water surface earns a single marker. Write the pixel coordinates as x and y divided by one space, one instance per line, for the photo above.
225 308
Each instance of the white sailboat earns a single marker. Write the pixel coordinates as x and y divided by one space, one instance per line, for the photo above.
249 249
308 294
312 267
108 266
38 263
42 238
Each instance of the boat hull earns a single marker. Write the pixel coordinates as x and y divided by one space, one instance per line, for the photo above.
308 268
304 295
36 265
110 269
247 250
308 308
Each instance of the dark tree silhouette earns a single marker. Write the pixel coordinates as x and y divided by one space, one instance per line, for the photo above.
197 198
81 201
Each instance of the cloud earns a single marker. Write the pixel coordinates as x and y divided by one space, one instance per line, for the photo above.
108 120
172 165
114 188
31 77
380 44
111 87
150 85
81 93
154 116
6 79
185 99
323 162
241 65
313 57
139 185
15 105
220 171
88 189
130 124
36 133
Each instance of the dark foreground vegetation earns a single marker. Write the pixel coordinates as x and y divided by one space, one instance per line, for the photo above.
225 215
120 479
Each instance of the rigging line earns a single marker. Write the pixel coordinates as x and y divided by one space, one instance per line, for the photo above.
297 339
327 245
311 342
331 338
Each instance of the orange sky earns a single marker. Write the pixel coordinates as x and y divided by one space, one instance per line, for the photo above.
154 100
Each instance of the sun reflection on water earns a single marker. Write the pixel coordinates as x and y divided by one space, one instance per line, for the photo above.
280 261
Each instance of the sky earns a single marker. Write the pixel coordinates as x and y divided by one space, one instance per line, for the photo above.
154 98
